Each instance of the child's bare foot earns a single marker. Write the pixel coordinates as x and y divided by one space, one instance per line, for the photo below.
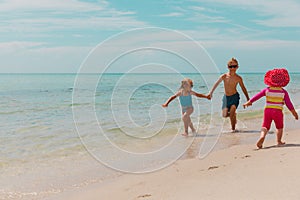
280 143
260 142
193 130
185 134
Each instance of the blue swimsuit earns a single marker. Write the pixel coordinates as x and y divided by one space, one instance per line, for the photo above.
186 102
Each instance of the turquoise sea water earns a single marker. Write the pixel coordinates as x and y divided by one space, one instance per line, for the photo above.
38 128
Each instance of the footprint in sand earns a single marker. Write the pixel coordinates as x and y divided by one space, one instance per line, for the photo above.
246 156
144 196
213 167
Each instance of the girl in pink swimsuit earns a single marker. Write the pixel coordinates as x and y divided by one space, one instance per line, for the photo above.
276 97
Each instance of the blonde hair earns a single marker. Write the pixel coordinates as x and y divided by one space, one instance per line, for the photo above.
186 80
232 60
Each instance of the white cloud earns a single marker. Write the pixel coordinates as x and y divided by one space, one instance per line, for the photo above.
45 17
24 56
76 23
29 57
17 46
203 9
57 5
34 16
250 44
277 13
51 21
282 13
203 18
172 14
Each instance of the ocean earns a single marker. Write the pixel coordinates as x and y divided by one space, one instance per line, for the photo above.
56 135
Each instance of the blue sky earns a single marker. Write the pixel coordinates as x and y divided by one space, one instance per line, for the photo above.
57 35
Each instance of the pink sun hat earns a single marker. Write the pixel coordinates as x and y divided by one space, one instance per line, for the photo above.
277 78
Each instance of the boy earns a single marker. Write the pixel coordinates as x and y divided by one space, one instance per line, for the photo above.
231 97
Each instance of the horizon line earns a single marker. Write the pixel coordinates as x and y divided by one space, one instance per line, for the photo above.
118 73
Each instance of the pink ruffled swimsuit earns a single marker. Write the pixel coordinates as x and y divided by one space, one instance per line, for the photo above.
276 97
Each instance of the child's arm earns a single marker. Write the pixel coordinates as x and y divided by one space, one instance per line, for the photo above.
255 98
199 95
289 104
244 89
295 114
170 99
247 104
215 86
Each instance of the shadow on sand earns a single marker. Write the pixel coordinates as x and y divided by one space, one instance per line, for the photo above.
240 131
205 135
282 146
249 131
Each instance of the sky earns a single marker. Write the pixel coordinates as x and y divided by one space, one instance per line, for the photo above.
56 36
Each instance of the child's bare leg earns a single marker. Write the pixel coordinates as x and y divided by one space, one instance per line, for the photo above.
225 112
261 140
189 112
192 126
191 123
279 136
185 124
233 117
187 120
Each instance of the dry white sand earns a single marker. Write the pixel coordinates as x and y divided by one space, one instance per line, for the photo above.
239 172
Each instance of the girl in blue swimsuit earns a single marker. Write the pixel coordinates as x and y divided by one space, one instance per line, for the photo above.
185 93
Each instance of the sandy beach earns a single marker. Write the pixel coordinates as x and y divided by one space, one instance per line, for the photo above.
239 172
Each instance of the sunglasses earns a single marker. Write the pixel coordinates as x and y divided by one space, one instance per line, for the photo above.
232 66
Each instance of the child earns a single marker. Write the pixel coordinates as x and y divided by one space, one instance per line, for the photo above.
185 98
231 97
276 97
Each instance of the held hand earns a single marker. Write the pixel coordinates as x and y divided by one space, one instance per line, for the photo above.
209 96
247 104
164 105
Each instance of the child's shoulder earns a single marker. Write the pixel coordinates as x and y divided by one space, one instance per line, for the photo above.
192 92
178 93
223 76
238 77
284 90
